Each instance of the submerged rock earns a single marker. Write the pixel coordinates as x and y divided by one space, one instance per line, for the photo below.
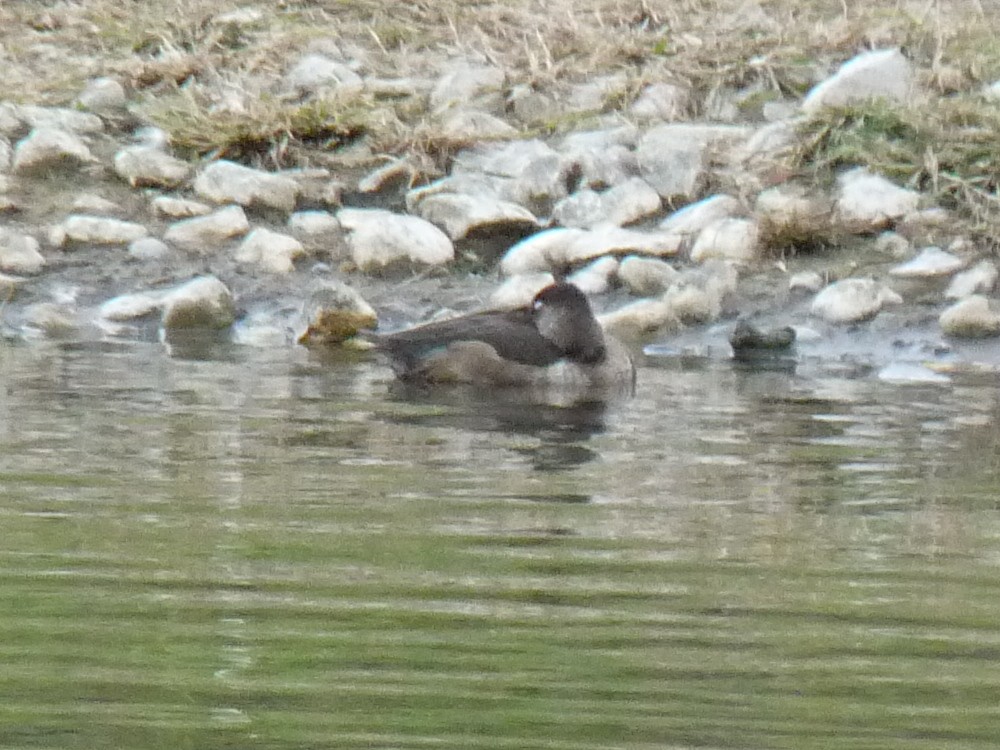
748 340
335 312
202 303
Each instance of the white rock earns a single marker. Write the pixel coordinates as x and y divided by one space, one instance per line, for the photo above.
205 233
518 291
148 248
541 252
606 240
165 206
662 101
315 71
884 74
59 118
971 317
673 158
229 182
528 173
464 82
102 95
640 318
852 300
980 279
732 239
203 302
911 372
868 202
595 277
89 203
379 239
806 281
269 250
790 210
646 277
19 253
622 204
144 166
133 306
892 244
100 230
462 214
767 145
690 220
470 125
6 155
313 225
394 174
601 158
930 263
45 149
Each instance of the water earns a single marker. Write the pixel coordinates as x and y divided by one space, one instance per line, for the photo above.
265 549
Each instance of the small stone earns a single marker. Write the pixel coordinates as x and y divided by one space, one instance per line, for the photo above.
970 318
519 291
884 74
868 202
19 253
148 248
313 225
980 279
852 300
205 233
315 71
932 262
595 277
168 207
380 239
748 340
133 306
732 239
689 221
806 281
202 303
646 277
229 182
336 312
99 230
622 204
48 149
460 215
95 204
144 166
103 95
892 244
270 251
640 319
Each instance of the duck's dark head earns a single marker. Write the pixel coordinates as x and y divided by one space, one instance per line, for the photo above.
562 315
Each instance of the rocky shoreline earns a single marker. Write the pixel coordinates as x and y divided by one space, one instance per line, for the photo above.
105 233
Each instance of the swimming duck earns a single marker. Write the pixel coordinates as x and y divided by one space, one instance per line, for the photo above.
556 340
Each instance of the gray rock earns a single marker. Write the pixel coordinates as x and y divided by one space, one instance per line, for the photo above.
592 95
103 95
662 101
466 82
767 145
134 306
6 154
48 149
868 202
792 211
673 158
148 248
19 253
461 214
143 166
205 233
806 281
315 71
892 244
313 225
269 251
884 74
335 312
380 239
530 106
698 295
640 319
624 203
646 277
90 203
931 262
689 221
396 174
59 118
229 182
596 276
472 125
202 303
100 230
168 207
980 279
601 158
528 173
852 300
518 291
971 317
730 238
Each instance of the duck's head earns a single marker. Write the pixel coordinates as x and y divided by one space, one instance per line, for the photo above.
562 315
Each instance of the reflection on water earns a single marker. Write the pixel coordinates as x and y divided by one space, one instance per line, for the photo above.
269 550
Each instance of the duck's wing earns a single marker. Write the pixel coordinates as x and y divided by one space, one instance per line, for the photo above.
511 333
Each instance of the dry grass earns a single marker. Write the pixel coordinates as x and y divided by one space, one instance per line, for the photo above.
210 78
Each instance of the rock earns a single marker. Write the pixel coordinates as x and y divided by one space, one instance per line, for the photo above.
461 215
528 173
749 341
465 82
52 319
542 252
595 277
228 182
767 146
314 72
126 307
806 281
103 95
269 250
381 239
698 295
178 208
600 159
892 244
6 154
592 95
398 174
880 74
932 262
58 118
47 149
790 213
673 158
466 125
622 204
662 101
100 230
335 312
639 319
530 106
148 248
202 303
519 291
688 222
852 300
205 233
980 279
646 277
313 225
19 253
144 166
869 203
911 373
728 239
970 318
89 203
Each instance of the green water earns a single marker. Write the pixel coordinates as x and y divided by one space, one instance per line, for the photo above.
269 551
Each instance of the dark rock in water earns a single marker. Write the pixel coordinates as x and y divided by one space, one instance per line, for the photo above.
749 341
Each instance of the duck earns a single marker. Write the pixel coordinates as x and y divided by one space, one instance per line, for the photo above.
553 341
